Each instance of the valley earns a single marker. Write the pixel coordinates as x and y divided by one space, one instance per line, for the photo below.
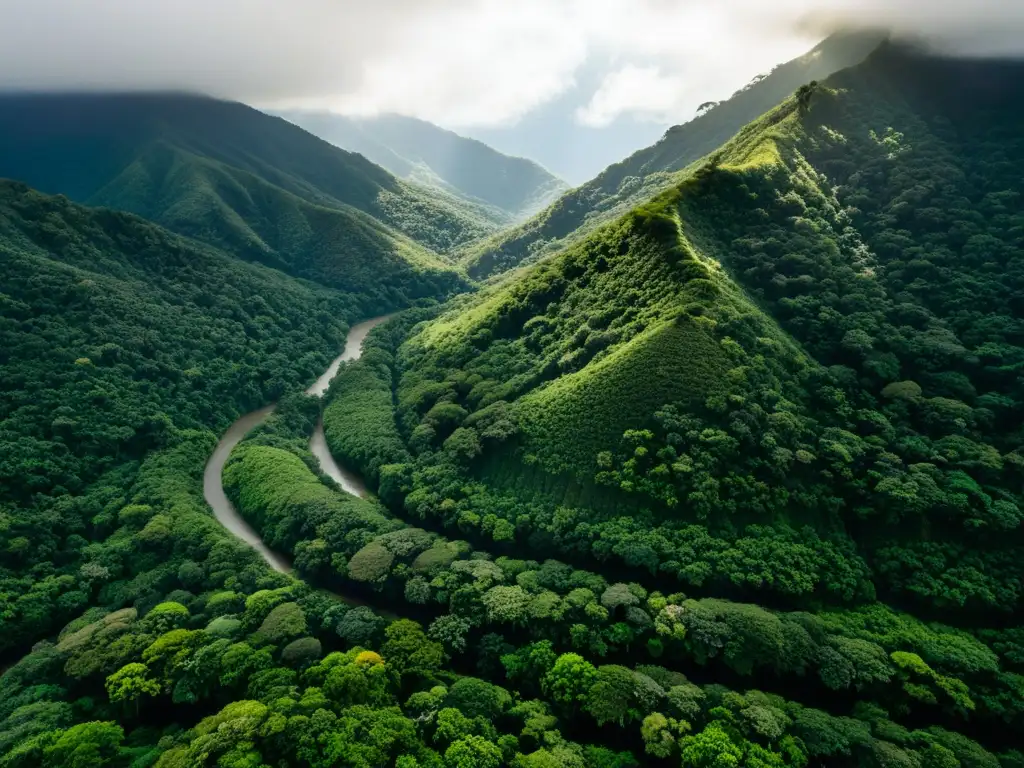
715 461
350 482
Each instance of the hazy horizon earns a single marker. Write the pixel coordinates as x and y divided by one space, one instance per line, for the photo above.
567 83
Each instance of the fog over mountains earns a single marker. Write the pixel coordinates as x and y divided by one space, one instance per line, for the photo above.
468 65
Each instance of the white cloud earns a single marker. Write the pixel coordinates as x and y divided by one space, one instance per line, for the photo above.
493 61
485 63
459 62
645 92
671 90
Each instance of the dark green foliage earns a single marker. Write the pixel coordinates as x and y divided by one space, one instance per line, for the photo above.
302 652
359 419
345 706
118 336
843 651
478 698
772 385
283 622
176 159
786 386
252 185
113 322
915 423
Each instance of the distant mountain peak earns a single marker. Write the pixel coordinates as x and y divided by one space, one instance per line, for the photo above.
425 153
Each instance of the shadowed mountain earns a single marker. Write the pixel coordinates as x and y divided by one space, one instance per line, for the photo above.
229 175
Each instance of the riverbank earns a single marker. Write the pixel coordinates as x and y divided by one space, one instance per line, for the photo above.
351 482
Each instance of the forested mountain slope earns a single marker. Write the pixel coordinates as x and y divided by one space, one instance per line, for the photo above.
424 153
639 177
735 480
788 387
233 177
119 338
834 293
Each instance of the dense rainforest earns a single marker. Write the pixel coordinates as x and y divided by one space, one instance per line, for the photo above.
732 480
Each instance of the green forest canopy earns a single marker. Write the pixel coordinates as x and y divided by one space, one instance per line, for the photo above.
735 480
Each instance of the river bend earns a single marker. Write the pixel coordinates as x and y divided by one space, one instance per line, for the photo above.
213 487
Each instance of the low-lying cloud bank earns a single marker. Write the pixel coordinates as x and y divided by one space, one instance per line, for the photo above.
459 62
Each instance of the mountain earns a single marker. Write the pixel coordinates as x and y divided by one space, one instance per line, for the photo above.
788 386
426 154
848 263
235 178
626 184
120 339
734 479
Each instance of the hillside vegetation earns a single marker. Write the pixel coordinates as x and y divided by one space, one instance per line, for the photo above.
788 384
123 343
652 170
426 154
732 480
223 173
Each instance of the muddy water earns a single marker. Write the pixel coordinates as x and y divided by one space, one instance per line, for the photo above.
348 480
213 488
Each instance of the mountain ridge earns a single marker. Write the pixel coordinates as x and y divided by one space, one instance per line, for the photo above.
233 177
421 151
651 170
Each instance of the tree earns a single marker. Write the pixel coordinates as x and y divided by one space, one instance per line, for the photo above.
259 604
371 563
167 616
409 652
657 732
804 94
506 605
301 653
463 444
472 752
360 626
130 683
478 698
570 679
611 696
711 748
619 596
417 590
88 745
451 631
686 700
355 677
531 661
285 621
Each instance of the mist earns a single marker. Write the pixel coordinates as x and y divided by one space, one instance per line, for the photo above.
459 62
248 49
975 28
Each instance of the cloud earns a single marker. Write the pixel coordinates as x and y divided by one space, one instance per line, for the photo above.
458 62
706 52
642 91
487 62
960 27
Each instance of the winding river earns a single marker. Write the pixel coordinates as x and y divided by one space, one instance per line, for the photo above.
213 487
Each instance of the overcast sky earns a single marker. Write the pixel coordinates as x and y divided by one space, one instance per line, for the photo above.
462 63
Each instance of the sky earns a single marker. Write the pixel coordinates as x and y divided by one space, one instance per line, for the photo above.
588 73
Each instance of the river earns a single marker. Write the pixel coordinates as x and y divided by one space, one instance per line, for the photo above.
213 487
